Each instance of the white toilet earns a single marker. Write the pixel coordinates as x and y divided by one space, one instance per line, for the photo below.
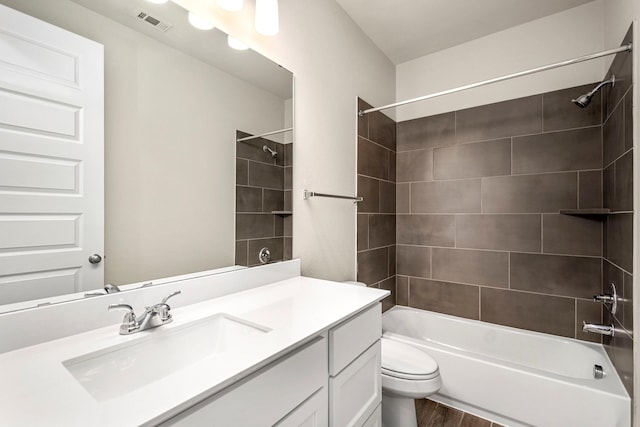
408 373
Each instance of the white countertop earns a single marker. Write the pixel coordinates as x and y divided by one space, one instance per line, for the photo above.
37 389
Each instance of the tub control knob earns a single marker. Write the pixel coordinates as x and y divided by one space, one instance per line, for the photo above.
610 300
264 256
598 372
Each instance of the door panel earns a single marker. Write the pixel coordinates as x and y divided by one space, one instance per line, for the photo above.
51 159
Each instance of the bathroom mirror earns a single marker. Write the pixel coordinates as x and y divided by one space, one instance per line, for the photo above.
176 98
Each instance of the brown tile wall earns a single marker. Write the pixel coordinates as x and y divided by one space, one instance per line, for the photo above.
618 197
263 185
474 198
376 221
478 229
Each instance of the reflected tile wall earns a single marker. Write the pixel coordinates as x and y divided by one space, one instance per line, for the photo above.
376 220
263 185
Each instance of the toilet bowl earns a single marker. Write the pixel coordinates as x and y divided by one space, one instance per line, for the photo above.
408 373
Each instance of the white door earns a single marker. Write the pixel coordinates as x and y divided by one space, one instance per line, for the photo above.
51 159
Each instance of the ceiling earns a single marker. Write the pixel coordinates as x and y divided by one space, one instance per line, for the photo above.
408 29
208 46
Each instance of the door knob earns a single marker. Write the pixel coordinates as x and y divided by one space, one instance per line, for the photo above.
95 259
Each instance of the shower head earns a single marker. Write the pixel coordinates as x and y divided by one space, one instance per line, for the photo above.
584 100
273 153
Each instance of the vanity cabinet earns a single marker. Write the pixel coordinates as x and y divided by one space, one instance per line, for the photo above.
332 381
311 413
355 389
264 398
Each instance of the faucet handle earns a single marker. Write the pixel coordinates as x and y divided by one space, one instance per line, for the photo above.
94 294
129 321
610 298
173 294
120 307
110 288
163 309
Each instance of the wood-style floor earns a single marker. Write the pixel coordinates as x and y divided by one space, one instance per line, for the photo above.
432 414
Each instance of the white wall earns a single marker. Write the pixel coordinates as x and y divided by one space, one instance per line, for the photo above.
165 108
333 63
565 35
618 14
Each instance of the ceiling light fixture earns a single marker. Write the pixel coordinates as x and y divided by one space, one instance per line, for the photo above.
231 5
158 1
200 22
266 19
236 44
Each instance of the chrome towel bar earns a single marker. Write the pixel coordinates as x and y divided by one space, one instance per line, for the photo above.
308 194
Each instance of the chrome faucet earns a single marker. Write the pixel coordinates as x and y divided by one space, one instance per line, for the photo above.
153 316
610 300
598 329
109 288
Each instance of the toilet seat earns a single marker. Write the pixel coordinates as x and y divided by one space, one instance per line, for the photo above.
400 360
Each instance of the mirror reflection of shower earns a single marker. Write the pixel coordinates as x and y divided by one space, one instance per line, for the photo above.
266 148
584 100
273 153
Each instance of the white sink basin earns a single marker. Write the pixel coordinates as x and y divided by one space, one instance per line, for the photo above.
120 369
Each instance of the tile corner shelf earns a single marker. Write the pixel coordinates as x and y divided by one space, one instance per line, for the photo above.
283 213
590 211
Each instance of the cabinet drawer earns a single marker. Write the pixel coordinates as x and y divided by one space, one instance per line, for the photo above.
266 396
357 390
375 420
351 338
313 412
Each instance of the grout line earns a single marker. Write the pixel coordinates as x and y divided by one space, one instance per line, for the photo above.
578 190
431 262
502 251
377 178
541 233
455 127
376 143
261 162
501 288
410 210
575 319
518 135
420 214
436 147
508 270
500 138
455 231
502 176
612 110
433 164
617 266
511 158
542 111
482 180
368 219
617 158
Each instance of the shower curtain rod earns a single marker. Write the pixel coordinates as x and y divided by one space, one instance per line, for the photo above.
247 138
625 48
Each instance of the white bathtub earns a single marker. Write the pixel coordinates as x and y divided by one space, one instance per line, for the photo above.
514 377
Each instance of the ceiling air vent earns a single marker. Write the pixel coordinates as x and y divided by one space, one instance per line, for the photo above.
157 23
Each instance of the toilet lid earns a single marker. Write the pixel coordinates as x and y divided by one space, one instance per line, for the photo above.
402 360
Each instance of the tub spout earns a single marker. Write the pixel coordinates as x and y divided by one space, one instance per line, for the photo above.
598 329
